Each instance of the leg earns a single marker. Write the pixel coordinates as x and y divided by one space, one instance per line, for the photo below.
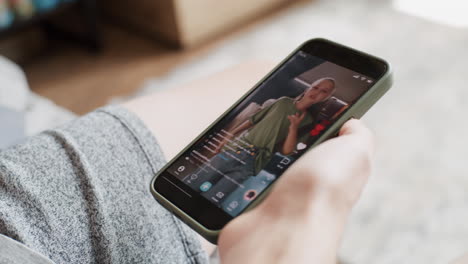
198 104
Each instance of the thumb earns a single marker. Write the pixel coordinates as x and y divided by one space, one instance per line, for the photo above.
339 166
361 135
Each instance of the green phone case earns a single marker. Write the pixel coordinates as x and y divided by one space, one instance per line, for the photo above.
355 111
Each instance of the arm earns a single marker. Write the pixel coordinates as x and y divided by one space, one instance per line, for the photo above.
242 127
291 138
290 142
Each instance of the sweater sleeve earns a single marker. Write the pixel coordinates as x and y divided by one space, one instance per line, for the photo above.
80 194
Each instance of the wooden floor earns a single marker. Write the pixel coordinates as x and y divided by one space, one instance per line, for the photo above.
80 81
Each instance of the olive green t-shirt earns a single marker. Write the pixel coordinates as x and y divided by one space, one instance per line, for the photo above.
271 126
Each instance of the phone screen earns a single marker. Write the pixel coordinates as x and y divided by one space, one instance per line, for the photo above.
252 145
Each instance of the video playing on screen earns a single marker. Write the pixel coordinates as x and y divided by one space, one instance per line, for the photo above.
263 135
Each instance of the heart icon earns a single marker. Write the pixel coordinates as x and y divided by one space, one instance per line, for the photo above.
301 146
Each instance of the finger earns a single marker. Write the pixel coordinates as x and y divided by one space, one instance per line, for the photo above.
361 135
340 165
353 126
302 116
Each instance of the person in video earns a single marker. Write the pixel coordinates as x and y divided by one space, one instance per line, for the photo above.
243 156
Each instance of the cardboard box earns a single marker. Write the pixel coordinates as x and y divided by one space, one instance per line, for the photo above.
186 23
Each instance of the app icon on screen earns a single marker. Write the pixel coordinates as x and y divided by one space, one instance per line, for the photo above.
205 186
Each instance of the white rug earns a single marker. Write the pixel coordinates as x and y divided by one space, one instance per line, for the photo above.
415 207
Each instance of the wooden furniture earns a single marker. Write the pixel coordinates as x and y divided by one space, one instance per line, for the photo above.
87 11
185 23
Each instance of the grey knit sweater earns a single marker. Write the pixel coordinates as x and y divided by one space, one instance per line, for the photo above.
80 194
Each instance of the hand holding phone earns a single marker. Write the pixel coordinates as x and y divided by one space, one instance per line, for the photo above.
302 218
233 164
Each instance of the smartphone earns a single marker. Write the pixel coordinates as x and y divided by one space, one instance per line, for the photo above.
230 167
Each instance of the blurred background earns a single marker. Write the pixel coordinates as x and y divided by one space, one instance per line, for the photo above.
63 58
